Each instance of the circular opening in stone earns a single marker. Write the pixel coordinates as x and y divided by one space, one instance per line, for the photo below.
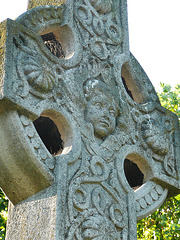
133 174
49 134
60 41
132 84
126 87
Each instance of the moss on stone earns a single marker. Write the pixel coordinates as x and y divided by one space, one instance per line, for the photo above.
3 31
37 3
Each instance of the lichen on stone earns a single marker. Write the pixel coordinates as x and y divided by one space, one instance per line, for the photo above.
3 30
37 3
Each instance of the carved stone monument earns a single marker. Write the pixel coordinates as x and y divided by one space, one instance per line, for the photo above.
86 148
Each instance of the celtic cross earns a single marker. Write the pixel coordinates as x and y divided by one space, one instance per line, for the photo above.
86 147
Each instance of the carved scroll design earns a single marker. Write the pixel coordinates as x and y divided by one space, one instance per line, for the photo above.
95 208
106 30
102 37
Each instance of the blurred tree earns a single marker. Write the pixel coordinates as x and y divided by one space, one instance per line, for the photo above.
3 214
170 98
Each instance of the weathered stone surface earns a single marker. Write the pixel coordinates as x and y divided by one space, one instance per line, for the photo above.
3 32
37 3
38 213
71 64
22 173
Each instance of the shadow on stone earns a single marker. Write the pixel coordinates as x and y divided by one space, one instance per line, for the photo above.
133 174
49 134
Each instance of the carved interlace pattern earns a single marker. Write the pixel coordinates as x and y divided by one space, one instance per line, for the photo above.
103 37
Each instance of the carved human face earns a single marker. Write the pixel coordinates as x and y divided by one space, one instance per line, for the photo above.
102 113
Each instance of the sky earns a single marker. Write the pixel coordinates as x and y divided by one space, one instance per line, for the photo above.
154 35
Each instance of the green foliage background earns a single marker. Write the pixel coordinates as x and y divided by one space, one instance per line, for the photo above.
3 214
165 222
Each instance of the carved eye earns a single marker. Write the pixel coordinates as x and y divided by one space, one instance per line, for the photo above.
98 105
112 112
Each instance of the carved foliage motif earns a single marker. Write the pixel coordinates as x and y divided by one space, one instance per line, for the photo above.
96 210
36 74
103 30
94 203
102 36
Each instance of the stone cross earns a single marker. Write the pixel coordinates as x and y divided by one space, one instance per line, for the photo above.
86 148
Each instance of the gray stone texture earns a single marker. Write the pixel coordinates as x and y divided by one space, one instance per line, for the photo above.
86 148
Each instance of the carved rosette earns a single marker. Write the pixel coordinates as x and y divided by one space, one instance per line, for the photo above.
37 72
